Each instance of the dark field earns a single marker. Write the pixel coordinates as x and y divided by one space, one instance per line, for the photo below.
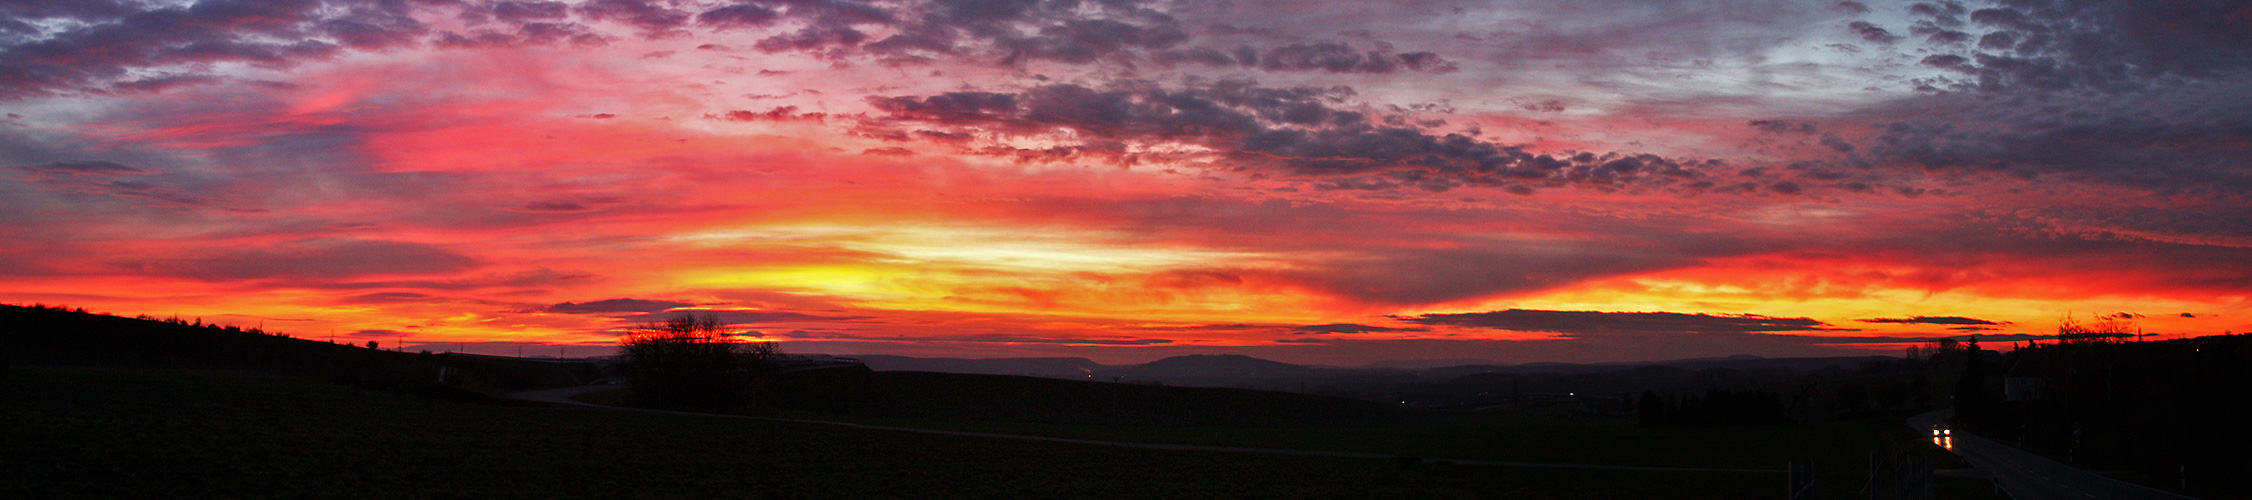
126 432
1235 417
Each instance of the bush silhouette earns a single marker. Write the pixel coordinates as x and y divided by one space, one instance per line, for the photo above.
693 363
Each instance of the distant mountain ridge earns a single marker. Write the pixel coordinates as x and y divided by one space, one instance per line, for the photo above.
1214 365
1246 371
1044 367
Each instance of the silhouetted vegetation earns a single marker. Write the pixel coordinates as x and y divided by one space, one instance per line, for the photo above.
694 363
2102 331
273 438
2174 411
55 335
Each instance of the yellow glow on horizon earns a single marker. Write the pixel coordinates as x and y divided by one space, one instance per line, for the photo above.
1044 270
1845 310
1057 249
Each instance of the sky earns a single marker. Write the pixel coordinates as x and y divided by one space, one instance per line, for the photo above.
1319 181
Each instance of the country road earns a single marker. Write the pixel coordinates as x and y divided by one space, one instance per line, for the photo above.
2028 476
563 397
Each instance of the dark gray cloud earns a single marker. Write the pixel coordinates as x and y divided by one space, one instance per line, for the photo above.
779 114
390 298
1932 320
1085 41
81 168
2090 44
313 260
1043 339
980 338
651 16
554 207
739 16
738 317
615 306
1014 32
1341 58
2190 138
1295 130
98 179
119 47
127 47
1350 328
520 11
1871 32
1601 324
2147 95
1783 126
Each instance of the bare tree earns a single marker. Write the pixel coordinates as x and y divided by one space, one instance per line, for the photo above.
2105 330
694 363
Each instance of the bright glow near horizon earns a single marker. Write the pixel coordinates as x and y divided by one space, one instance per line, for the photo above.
1335 183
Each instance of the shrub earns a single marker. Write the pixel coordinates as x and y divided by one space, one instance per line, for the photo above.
694 364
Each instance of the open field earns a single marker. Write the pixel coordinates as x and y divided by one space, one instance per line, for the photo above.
1841 449
123 432
155 409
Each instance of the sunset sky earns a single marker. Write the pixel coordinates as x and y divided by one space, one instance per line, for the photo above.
1334 182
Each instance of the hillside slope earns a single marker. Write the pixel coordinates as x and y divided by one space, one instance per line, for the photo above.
38 335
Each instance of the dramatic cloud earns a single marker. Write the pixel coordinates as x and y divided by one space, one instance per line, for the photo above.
2097 45
615 306
1597 324
735 317
313 259
1337 182
81 168
1350 328
104 46
1296 131
1932 320
1418 276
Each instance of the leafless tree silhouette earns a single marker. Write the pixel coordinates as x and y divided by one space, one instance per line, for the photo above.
694 363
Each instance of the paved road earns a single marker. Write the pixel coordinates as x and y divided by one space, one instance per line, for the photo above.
2027 476
563 396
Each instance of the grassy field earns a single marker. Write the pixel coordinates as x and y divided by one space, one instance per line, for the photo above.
142 433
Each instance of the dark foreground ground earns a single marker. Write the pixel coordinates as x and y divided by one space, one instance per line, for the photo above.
150 433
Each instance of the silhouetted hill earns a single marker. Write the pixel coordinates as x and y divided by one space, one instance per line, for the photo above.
2172 410
1031 399
1470 385
1422 364
1213 366
1043 367
38 335
1741 362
